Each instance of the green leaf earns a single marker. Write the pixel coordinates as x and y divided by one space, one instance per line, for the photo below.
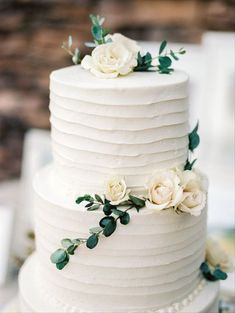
165 62
94 207
66 243
188 165
137 202
194 141
80 200
105 220
148 58
99 199
92 241
173 55
194 138
76 241
125 219
105 32
94 19
61 265
107 208
110 228
97 32
140 59
72 249
219 274
88 198
95 230
58 256
162 46
204 268
89 204
182 51
117 212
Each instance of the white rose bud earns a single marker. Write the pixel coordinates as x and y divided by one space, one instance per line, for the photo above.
194 194
164 190
116 190
117 57
216 256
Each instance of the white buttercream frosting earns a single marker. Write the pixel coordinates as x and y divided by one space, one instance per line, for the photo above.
128 126
149 264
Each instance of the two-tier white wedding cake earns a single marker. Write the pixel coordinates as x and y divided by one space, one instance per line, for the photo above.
134 129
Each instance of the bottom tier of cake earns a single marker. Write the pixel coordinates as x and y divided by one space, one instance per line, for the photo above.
204 299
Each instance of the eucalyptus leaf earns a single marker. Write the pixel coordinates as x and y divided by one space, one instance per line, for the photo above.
219 274
66 243
89 204
80 200
58 256
99 199
90 44
189 165
61 265
76 241
97 32
137 202
95 230
92 241
72 249
174 55
204 267
125 218
165 61
110 228
107 209
94 207
88 198
162 46
105 220
118 212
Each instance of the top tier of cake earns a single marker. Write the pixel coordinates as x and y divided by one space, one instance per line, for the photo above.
129 126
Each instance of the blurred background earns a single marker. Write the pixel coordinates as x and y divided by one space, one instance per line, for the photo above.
31 33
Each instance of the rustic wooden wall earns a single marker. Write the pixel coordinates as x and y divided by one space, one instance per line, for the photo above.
31 33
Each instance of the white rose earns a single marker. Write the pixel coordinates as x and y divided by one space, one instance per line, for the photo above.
116 190
216 256
130 44
111 59
194 195
164 190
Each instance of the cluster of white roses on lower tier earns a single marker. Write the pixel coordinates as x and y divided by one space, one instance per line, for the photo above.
118 56
183 191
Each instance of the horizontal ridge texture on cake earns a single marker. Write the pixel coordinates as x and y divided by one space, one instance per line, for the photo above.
152 263
203 299
130 126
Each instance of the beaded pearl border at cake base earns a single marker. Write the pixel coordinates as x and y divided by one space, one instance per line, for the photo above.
174 308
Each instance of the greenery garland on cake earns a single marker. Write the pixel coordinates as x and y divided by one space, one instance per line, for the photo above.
182 190
115 54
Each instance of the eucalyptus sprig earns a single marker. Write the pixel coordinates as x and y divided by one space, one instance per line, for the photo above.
98 32
212 274
75 54
164 58
194 141
107 225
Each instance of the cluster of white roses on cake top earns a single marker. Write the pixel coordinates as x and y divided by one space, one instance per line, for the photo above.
116 55
183 191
